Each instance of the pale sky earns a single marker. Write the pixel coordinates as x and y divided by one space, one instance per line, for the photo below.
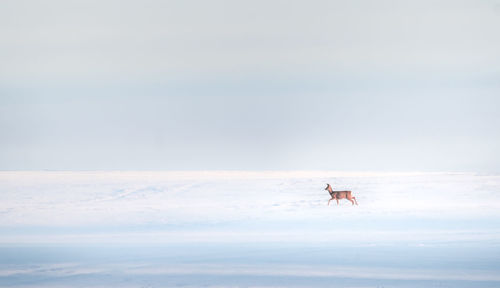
250 85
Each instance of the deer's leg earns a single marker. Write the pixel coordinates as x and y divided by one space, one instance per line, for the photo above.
329 201
337 200
350 199
355 200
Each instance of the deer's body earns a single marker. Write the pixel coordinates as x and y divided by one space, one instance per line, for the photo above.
337 195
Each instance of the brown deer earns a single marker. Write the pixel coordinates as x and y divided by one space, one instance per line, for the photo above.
340 195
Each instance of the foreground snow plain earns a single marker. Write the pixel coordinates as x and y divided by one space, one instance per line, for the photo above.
246 229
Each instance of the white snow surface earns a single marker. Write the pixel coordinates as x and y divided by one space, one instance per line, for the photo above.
246 206
248 229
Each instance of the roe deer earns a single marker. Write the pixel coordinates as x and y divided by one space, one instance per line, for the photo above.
337 195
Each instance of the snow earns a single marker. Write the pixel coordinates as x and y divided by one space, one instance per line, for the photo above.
160 227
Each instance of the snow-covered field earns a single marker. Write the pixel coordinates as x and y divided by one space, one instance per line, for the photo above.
265 229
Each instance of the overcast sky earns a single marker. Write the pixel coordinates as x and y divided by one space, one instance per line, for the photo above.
250 85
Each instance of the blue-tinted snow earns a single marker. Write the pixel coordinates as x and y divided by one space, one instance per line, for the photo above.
244 229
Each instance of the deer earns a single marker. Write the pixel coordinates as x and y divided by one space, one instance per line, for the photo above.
340 195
